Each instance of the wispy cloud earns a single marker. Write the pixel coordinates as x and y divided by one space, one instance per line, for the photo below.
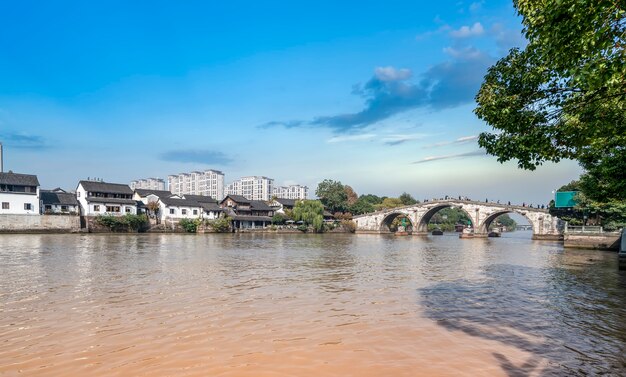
197 156
461 140
449 157
389 92
475 30
23 141
393 140
341 139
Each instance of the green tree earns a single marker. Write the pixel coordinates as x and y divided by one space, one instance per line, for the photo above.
311 213
389 203
407 199
279 219
371 198
564 95
362 206
332 195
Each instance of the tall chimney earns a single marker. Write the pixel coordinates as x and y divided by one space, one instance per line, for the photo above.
1 160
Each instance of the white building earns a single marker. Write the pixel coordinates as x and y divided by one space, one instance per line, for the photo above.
59 201
99 198
19 194
291 192
148 183
174 207
252 188
207 183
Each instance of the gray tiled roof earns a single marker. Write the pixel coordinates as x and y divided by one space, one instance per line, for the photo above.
258 205
200 198
11 178
59 198
211 207
112 188
237 198
251 218
95 199
179 202
159 193
286 202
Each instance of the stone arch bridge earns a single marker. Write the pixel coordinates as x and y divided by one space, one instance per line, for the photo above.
482 214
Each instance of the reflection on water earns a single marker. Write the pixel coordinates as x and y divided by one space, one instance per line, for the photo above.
307 305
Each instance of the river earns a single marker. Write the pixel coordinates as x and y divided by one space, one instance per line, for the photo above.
307 305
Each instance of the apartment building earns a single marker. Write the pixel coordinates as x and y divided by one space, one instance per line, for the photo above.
148 184
291 192
206 183
252 188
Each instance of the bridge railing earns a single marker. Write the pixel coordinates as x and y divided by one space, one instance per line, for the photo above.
584 229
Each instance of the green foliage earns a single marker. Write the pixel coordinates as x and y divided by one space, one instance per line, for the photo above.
362 206
221 225
564 95
447 218
303 228
333 195
190 225
311 213
407 199
504 220
349 225
610 214
128 222
371 198
389 203
279 219
398 221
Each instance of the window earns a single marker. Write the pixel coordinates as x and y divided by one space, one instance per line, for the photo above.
113 208
48 207
96 208
28 206
195 211
5 205
184 211
172 211
78 194
64 208
127 209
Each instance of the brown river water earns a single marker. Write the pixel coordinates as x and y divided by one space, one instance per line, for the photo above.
307 305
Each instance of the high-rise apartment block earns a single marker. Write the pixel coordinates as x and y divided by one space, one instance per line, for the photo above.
252 188
148 183
207 183
291 192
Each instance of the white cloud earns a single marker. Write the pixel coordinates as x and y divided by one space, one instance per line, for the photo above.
468 31
461 140
392 74
475 6
397 139
449 156
341 139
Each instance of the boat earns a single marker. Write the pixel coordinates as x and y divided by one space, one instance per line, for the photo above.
467 233
494 233
437 232
622 251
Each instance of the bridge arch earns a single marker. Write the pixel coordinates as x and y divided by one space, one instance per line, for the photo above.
484 227
385 224
422 226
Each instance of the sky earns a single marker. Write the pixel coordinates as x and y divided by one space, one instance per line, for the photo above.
377 95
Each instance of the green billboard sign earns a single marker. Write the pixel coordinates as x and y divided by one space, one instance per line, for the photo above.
564 199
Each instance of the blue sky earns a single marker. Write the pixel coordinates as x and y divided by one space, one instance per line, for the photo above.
376 95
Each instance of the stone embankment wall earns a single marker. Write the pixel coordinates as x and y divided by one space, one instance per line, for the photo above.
39 224
601 241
